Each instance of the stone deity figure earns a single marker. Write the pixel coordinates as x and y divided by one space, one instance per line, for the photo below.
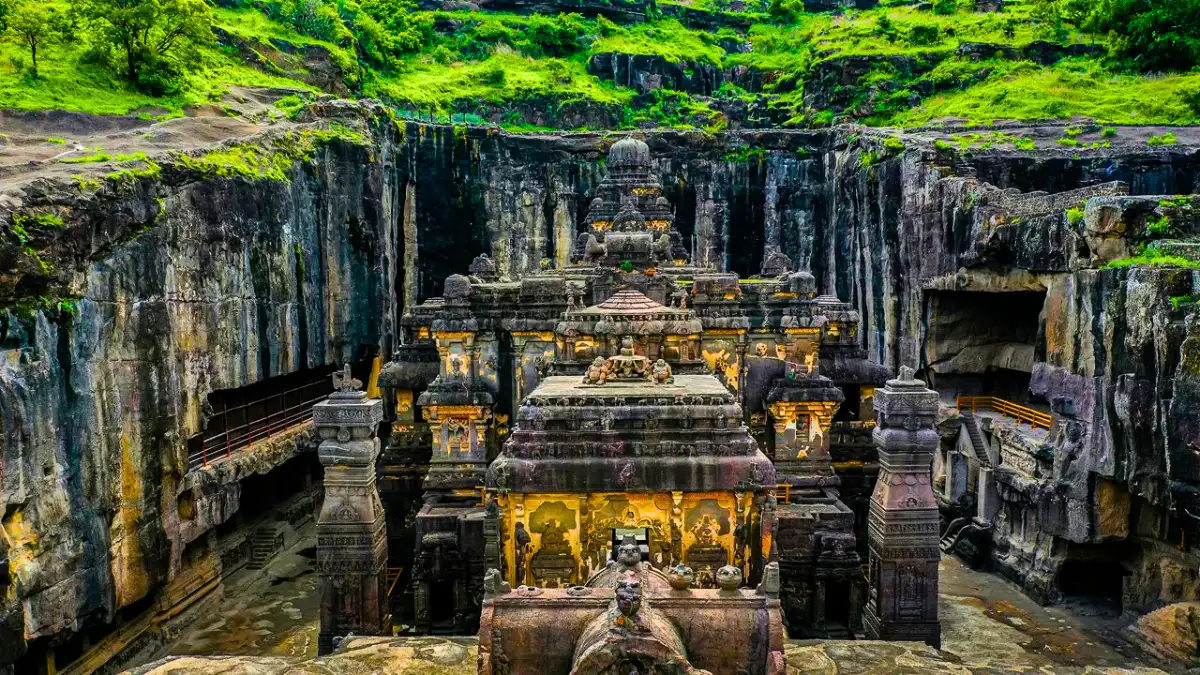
597 373
524 542
553 539
661 372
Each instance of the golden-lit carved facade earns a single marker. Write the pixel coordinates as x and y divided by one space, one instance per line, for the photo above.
587 463
558 539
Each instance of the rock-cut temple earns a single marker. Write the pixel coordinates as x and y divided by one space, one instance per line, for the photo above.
633 461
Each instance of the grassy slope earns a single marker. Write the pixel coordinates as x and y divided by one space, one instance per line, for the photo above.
68 82
458 67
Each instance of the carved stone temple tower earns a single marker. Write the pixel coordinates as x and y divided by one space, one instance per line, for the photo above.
351 532
902 603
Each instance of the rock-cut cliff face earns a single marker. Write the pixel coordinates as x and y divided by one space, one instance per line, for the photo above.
185 283
200 277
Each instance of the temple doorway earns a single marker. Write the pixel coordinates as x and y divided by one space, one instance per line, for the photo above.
837 608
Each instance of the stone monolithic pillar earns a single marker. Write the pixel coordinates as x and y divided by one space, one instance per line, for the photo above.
351 530
902 601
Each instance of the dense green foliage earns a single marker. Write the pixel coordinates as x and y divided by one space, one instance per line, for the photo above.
1150 35
908 66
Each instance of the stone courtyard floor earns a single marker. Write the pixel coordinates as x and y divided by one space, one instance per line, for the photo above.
988 626
273 612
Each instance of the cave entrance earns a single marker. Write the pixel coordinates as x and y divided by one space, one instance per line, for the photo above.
983 343
1092 585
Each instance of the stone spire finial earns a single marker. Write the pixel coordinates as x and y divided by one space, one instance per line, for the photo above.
344 382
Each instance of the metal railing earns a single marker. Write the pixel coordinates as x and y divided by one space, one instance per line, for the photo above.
1034 418
260 419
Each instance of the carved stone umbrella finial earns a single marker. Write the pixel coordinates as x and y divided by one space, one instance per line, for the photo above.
344 381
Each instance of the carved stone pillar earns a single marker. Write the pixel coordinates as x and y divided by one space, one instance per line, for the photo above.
351 532
902 601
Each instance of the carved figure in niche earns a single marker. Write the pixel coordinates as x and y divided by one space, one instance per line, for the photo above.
524 543
661 373
681 577
629 218
729 578
705 532
456 366
553 540
676 543
628 365
597 373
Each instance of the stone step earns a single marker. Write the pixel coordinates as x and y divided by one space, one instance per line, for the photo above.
266 542
978 443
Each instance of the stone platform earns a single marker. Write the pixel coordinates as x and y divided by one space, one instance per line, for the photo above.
456 656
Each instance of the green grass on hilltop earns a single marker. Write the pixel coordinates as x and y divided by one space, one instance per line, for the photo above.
668 39
69 80
502 76
461 59
1073 87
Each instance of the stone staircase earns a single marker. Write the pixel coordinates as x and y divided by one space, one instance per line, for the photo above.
978 443
951 535
267 541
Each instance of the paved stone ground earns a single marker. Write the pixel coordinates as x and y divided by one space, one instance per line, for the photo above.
988 627
275 614
987 622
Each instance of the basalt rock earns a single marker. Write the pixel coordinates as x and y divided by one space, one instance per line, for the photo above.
189 282
649 73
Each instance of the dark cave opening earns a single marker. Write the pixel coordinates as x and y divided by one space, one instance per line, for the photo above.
1095 585
983 343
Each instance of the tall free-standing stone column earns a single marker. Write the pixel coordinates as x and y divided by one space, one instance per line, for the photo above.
351 531
903 525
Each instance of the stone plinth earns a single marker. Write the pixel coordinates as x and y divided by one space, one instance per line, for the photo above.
351 532
902 602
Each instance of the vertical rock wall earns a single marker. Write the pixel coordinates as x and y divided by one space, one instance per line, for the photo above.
187 284
191 283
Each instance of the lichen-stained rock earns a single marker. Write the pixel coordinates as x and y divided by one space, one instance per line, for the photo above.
1172 632
198 277
184 283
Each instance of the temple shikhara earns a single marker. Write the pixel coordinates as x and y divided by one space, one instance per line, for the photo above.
635 424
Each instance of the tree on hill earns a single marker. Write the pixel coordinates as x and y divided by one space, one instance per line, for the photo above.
1150 35
151 35
34 25
1153 35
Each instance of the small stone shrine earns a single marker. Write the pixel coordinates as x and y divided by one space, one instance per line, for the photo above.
351 537
902 603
